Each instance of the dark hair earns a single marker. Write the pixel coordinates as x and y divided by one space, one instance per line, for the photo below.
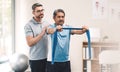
36 5
58 10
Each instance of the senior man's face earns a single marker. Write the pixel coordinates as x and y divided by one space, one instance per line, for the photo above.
59 18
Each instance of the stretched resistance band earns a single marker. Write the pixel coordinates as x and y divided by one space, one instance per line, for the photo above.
54 46
55 42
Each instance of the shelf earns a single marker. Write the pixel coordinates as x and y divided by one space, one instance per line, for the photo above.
101 44
92 59
92 65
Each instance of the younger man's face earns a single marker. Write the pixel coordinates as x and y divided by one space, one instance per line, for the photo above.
39 12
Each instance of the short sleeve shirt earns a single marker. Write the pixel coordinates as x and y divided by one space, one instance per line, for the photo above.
62 47
40 49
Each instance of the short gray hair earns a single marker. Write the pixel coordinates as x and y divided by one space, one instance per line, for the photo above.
36 5
58 10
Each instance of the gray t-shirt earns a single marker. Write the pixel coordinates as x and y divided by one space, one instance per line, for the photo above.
40 49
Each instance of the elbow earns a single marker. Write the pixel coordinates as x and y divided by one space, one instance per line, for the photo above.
50 32
30 44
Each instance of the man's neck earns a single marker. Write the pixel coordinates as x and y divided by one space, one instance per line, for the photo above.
58 24
38 19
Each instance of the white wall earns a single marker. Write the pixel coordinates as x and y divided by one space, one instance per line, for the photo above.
78 13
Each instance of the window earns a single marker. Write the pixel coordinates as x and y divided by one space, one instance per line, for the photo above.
6 27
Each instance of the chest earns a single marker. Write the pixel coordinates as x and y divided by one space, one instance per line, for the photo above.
37 29
64 35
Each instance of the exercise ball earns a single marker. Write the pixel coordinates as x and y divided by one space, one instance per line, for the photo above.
19 62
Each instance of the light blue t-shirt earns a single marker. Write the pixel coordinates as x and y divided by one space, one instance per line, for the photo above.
62 47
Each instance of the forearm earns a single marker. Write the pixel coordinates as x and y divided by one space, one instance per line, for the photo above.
78 31
33 40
